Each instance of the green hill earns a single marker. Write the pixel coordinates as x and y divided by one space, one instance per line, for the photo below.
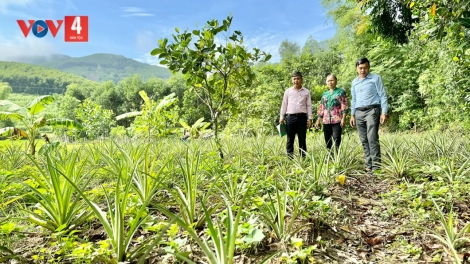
99 67
32 79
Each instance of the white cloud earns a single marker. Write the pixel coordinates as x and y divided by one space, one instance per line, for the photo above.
7 6
20 46
132 9
138 15
270 42
24 9
263 39
149 59
267 42
146 41
135 11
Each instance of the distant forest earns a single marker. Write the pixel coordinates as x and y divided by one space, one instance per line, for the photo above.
31 79
99 67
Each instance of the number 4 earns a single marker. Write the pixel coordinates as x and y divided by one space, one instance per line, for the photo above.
76 25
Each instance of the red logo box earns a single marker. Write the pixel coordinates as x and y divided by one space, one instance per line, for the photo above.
76 29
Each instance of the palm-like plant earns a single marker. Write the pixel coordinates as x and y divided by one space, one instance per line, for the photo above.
11 158
452 238
60 208
282 210
196 129
117 223
397 161
345 159
221 247
153 119
32 118
187 196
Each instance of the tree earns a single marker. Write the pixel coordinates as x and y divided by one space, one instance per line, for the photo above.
312 46
288 49
193 108
32 118
195 129
392 19
96 120
154 120
5 90
215 71
427 75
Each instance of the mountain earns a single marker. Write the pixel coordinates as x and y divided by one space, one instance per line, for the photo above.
98 67
33 79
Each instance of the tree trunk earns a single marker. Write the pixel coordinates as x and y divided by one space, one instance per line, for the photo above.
216 137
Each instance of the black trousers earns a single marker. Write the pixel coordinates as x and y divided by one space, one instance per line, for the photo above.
332 133
296 125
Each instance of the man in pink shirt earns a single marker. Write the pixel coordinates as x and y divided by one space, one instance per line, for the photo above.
296 114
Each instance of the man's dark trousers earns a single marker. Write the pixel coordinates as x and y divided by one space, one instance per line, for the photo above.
367 122
296 124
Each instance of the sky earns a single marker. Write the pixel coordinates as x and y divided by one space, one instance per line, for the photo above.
132 28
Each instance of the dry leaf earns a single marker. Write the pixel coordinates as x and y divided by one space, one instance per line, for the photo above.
374 241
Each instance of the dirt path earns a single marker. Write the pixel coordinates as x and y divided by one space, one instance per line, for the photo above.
369 234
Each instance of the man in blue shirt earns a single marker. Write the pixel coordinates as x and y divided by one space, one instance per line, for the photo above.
369 108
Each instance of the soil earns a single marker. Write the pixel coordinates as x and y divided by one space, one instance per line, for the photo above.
368 237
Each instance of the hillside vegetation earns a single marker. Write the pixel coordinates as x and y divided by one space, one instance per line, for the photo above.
31 79
99 67
132 172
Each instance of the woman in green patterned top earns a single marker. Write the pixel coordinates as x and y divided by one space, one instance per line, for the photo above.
332 111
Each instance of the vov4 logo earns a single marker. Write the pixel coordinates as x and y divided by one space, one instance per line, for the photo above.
76 28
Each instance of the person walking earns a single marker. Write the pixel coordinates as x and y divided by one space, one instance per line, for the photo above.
332 111
369 106
296 114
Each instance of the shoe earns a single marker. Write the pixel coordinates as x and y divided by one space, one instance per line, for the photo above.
369 171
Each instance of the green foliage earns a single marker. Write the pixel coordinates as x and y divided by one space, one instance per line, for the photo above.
137 176
452 238
216 73
396 161
32 118
149 163
346 160
391 19
274 213
5 90
187 195
26 78
155 120
59 208
300 255
196 129
119 227
105 67
95 120
288 49
223 233
231 184
11 158
421 50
